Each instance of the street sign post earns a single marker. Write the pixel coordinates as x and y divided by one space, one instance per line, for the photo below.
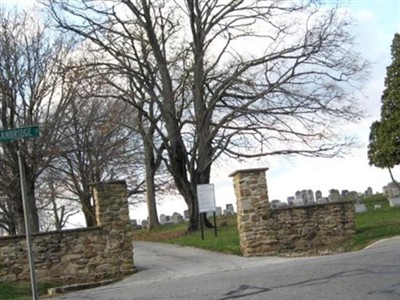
8 135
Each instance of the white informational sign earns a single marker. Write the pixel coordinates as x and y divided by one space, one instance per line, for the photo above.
206 197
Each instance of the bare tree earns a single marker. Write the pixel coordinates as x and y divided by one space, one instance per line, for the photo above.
31 93
55 208
96 145
106 68
132 91
7 215
242 79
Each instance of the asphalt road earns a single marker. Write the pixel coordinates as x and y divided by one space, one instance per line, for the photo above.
173 272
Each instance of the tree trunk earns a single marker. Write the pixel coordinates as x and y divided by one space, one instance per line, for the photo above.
88 210
206 222
194 220
17 212
177 152
394 181
31 212
31 201
202 112
12 230
151 168
57 221
19 217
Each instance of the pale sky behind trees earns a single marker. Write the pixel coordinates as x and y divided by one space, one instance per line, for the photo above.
376 23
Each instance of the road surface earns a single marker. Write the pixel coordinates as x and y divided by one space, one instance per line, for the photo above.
173 272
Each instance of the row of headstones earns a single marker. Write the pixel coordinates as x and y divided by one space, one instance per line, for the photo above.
359 207
177 218
305 197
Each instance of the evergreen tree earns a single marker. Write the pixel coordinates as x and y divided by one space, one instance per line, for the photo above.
384 139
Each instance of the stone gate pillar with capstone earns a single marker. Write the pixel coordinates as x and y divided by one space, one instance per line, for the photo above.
112 215
253 210
303 230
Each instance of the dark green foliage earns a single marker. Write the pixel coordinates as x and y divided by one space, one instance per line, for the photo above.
384 139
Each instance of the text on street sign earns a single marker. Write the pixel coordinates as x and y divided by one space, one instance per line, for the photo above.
19 133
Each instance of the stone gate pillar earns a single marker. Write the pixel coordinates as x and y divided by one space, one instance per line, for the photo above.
112 215
252 210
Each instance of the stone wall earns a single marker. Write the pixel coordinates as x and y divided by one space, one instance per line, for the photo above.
79 255
310 229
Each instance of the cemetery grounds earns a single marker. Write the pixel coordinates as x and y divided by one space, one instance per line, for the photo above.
373 225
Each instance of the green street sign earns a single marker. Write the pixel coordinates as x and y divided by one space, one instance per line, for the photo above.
19 133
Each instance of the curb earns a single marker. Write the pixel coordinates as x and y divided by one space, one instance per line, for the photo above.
78 287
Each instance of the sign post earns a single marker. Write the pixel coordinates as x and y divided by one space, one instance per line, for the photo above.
31 257
12 135
206 199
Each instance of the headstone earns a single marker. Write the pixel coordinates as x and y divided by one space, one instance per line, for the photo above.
345 193
274 203
334 195
393 190
310 196
353 196
299 199
163 219
377 206
186 215
144 223
229 209
304 196
393 194
394 202
318 195
360 208
282 205
386 190
218 211
290 200
176 218
369 192
323 200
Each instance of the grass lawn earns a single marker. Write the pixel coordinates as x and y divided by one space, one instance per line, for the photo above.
227 240
373 225
15 291
21 291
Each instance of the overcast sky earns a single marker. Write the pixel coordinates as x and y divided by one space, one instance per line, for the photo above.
378 21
